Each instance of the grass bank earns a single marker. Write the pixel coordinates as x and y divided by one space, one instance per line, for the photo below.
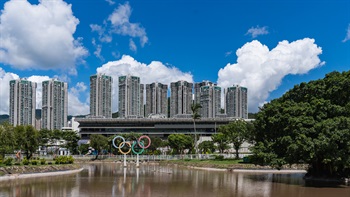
229 164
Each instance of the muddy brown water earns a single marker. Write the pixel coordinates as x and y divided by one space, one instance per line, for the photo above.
111 179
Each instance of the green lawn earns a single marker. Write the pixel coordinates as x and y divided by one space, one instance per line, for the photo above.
226 163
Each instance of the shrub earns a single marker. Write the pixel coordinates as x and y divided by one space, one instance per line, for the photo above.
34 162
8 161
219 157
49 163
17 163
42 161
64 160
25 161
1 159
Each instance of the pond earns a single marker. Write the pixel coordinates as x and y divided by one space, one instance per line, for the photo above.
111 179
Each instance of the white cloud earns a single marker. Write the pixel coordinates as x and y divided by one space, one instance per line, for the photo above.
75 106
39 89
132 45
98 50
110 2
261 70
103 37
154 72
121 24
256 31
228 53
5 78
39 36
347 37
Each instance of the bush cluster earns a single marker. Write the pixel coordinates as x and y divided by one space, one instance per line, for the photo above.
8 161
219 157
64 160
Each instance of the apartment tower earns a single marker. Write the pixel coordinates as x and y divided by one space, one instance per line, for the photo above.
236 102
101 95
54 104
156 99
180 98
22 102
130 97
210 100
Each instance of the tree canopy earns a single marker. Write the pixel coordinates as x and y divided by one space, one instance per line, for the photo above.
308 124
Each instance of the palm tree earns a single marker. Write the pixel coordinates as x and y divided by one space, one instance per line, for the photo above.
195 115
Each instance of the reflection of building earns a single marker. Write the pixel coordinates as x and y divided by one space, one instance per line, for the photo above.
156 99
180 98
22 102
208 95
130 97
54 104
101 96
236 102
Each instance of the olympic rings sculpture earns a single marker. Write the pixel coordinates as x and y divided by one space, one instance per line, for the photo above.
138 144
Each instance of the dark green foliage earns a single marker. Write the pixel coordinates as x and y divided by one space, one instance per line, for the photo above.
221 140
8 161
206 147
219 157
42 161
25 161
180 142
308 124
34 162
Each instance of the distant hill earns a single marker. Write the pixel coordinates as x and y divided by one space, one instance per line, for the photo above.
115 115
4 118
38 114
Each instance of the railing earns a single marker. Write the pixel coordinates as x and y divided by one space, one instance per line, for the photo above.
143 157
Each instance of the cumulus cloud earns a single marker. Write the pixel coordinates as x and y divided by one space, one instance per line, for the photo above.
121 24
5 78
75 106
110 2
261 70
39 36
256 31
154 72
132 45
347 37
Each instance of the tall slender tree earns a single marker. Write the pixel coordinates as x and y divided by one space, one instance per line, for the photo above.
195 116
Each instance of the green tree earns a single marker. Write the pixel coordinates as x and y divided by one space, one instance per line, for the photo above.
308 124
221 140
27 139
195 116
71 141
236 133
179 142
99 143
206 147
7 139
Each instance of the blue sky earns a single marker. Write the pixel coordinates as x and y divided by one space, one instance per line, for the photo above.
267 46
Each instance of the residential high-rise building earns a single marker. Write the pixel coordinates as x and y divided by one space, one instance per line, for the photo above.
22 102
210 101
54 104
236 102
130 97
101 95
197 90
180 98
156 99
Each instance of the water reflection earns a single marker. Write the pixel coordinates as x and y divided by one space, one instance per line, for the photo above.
113 179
